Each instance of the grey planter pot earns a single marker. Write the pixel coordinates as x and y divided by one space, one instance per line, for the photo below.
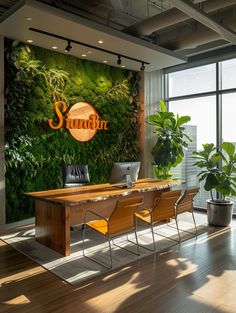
219 212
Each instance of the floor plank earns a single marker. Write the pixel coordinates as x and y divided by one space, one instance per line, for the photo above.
199 276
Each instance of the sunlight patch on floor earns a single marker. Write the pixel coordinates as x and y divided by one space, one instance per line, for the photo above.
107 298
214 235
183 266
113 275
22 299
219 288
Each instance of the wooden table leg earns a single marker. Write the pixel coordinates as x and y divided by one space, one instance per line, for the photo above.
52 226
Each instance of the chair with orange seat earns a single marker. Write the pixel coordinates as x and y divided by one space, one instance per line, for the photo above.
163 209
185 204
121 221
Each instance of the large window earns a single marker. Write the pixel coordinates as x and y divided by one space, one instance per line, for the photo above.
204 93
192 81
203 117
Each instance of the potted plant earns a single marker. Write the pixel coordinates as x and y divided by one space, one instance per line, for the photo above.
168 151
218 171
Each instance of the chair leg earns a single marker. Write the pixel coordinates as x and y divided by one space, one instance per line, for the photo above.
187 231
126 249
196 233
83 239
93 259
135 243
139 245
136 237
109 243
153 238
177 226
167 237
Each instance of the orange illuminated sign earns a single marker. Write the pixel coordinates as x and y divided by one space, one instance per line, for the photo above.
82 120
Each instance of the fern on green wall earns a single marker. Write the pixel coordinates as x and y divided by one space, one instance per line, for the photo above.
35 154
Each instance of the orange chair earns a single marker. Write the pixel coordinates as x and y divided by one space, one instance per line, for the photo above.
163 209
185 204
121 221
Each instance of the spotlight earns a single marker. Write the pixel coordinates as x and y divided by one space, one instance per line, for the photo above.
142 68
119 60
68 47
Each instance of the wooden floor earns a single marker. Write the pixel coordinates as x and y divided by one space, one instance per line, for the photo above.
197 276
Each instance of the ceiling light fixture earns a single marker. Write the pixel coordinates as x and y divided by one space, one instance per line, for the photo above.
68 47
83 55
29 40
105 61
119 60
100 41
142 68
54 47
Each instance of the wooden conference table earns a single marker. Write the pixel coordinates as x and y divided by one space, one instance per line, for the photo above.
56 210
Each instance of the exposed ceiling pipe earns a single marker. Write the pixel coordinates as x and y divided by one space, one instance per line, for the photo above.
198 1
156 22
211 6
172 17
117 5
201 36
203 18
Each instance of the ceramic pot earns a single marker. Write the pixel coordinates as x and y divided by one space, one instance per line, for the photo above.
219 212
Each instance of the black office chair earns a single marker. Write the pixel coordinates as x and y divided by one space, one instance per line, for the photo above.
75 175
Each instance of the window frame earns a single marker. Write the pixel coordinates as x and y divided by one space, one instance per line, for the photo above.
218 93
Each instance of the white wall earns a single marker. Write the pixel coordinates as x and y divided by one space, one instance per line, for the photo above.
2 161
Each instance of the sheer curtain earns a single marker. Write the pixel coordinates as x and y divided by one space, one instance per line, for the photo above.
2 161
153 92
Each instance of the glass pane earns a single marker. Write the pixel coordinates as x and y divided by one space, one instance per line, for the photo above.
229 74
228 123
191 81
201 129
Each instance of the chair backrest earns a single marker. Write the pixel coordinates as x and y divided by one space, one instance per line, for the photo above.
76 175
164 205
185 203
122 217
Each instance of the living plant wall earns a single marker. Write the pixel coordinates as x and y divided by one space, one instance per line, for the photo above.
35 79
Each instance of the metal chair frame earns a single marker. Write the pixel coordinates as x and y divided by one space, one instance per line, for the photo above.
110 238
152 223
177 214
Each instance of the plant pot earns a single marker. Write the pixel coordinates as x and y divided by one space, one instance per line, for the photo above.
219 212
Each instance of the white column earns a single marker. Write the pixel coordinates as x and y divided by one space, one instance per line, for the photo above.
2 159
153 92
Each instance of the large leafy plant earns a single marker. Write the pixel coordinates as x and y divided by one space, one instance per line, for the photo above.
218 168
168 151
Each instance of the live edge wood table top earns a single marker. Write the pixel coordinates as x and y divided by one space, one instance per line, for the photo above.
56 210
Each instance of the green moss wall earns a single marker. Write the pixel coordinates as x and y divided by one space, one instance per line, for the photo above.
35 154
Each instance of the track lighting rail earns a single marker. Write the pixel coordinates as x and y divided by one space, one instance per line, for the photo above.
69 40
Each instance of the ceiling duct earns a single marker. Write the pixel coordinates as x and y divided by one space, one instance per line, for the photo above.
201 36
172 17
200 16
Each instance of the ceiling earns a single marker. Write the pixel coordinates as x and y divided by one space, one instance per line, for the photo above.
161 32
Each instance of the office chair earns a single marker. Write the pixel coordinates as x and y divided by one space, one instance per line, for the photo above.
75 175
163 209
185 204
121 221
